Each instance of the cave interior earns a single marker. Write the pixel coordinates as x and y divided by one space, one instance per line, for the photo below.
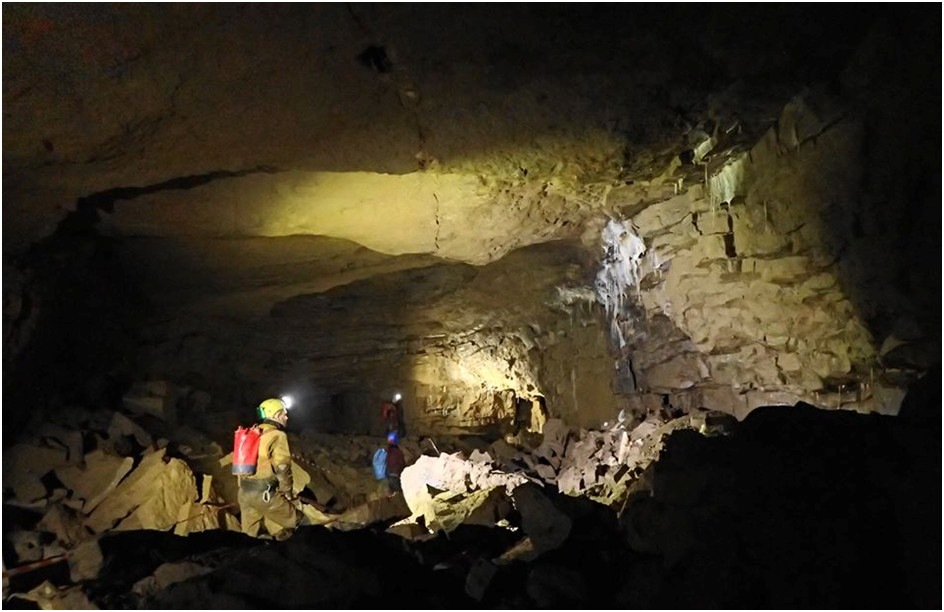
655 284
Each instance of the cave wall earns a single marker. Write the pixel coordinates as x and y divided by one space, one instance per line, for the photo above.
70 319
790 269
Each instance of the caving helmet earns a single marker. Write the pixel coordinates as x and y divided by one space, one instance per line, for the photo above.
270 408
392 438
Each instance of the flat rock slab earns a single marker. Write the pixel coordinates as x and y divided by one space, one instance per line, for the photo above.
172 488
97 479
158 486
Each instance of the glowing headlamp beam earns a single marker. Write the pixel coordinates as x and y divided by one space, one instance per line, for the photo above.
288 401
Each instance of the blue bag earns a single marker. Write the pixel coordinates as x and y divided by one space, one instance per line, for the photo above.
380 464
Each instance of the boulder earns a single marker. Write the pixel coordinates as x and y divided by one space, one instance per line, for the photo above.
646 428
97 479
23 467
27 545
552 448
49 597
149 497
478 456
447 490
68 438
154 406
121 425
479 577
368 513
546 472
155 398
207 512
85 561
64 524
547 526
171 490
166 575
314 516
681 372
503 450
523 550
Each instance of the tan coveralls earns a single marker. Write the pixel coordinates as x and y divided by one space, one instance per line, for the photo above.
273 474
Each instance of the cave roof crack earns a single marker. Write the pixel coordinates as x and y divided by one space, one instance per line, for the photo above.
106 199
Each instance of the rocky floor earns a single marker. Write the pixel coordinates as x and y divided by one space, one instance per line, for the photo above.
795 508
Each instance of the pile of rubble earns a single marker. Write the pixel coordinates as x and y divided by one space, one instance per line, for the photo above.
604 465
514 486
91 472
483 488
88 473
97 471
340 471
338 467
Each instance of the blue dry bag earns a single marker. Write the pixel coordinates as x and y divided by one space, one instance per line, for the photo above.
380 464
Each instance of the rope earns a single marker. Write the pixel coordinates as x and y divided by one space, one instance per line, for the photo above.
213 508
29 567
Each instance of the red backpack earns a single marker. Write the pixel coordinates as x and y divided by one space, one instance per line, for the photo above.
246 450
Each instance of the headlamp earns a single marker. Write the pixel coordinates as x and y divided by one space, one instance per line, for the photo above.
288 401
397 397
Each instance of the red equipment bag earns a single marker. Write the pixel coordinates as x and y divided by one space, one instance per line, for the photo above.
246 450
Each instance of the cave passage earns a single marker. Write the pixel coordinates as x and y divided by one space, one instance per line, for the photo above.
647 294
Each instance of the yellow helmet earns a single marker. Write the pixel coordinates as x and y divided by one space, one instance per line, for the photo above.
270 408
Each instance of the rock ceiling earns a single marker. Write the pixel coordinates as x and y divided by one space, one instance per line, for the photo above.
359 193
455 107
